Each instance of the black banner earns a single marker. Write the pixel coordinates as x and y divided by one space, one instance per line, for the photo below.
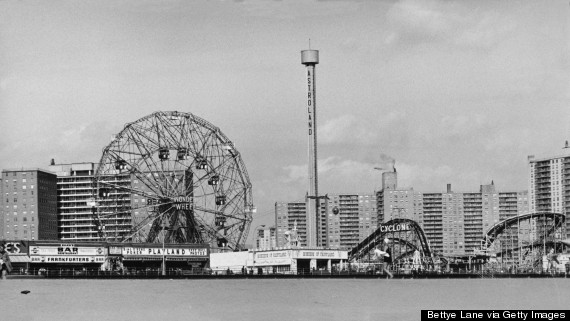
525 315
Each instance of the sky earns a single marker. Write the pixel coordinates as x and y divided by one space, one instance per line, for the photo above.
457 92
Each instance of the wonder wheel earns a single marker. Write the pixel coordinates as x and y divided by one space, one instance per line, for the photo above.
173 177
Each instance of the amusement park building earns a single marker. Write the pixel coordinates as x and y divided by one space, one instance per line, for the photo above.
28 205
549 184
344 221
453 222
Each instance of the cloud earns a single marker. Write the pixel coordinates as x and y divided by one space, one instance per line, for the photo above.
296 9
350 129
4 82
337 174
81 142
419 21
421 177
343 175
456 126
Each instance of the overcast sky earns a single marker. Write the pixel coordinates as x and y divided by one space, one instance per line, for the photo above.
456 92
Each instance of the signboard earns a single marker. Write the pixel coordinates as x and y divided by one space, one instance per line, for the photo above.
66 250
115 250
152 251
67 259
395 227
322 254
16 247
272 258
179 203
310 101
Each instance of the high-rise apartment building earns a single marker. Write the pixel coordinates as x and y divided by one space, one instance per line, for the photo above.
289 215
454 223
76 196
344 220
549 184
266 238
28 206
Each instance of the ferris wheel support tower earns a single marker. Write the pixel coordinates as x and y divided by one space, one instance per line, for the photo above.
310 58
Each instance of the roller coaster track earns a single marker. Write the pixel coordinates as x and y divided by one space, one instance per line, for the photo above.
377 237
499 227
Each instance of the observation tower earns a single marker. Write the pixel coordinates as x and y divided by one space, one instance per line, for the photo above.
310 58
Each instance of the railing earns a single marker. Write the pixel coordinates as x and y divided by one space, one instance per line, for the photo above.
367 272
97 273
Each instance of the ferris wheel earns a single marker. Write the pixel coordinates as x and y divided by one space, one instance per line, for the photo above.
173 177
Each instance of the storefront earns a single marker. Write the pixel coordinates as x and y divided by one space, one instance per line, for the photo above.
149 256
273 261
50 255
298 260
318 260
18 253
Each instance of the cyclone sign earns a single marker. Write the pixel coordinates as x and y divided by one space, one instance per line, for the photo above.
395 227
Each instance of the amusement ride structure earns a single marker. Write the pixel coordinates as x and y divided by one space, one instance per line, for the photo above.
522 241
172 177
515 244
402 235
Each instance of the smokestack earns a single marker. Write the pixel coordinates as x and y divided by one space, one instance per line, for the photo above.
52 162
448 188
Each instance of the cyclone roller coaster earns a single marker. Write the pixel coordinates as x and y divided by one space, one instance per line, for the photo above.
516 244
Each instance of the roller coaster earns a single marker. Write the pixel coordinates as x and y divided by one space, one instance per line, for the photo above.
522 241
405 237
517 243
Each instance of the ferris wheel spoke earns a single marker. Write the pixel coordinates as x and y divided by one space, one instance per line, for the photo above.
181 185
226 215
172 133
139 144
143 178
196 135
141 132
131 153
140 226
129 189
156 170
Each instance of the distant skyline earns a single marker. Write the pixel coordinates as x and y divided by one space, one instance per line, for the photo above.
457 92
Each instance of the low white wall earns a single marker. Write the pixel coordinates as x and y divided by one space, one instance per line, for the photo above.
232 260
